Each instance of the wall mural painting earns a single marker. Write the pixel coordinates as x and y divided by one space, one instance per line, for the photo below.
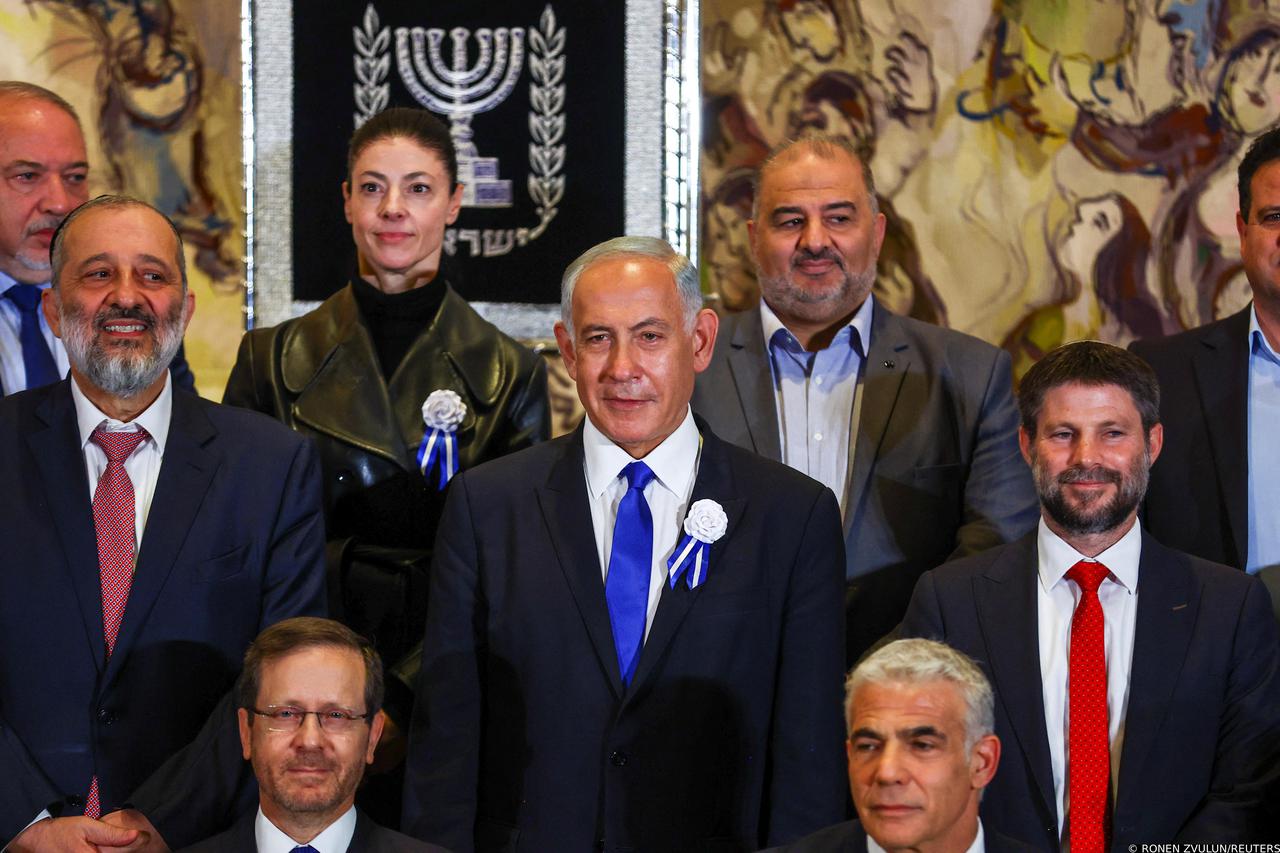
157 86
1050 170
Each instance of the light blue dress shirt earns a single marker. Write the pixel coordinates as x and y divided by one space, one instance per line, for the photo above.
815 394
1264 450
13 372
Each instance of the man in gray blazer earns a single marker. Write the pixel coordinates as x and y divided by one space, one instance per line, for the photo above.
911 425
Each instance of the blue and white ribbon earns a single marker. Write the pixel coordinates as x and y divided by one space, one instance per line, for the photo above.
442 412
705 524
439 449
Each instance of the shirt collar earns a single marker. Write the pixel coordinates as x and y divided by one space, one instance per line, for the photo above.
154 419
860 323
1056 557
7 281
979 844
1258 343
336 837
673 461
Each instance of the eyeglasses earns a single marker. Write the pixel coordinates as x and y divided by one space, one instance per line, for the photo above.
285 718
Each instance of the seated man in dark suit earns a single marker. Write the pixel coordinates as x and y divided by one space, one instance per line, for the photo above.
309 696
149 536
921 749
634 638
1137 686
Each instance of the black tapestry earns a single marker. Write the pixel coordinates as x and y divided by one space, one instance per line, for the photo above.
533 94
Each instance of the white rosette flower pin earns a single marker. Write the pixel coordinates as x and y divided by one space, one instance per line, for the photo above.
705 524
442 412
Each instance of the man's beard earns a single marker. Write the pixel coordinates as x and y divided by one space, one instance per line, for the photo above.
309 800
1092 516
789 299
126 369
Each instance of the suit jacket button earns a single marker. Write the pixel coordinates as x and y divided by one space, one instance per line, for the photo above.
106 717
618 758
342 476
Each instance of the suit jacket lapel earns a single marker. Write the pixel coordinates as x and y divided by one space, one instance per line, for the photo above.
887 362
752 378
332 380
56 449
1222 379
1168 602
185 474
1006 602
567 514
715 482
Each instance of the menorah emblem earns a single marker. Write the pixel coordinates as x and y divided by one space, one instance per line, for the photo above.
461 91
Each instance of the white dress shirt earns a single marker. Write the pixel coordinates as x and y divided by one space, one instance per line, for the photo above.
1056 599
815 394
143 465
675 467
979 844
13 371
336 837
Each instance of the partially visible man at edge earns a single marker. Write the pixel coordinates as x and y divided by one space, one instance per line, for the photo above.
44 174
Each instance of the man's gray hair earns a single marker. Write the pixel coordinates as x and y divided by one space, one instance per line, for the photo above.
685 274
32 92
827 146
57 247
921 661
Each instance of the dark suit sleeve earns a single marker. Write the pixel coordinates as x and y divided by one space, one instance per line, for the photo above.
183 378
999 498
924 613
295 579
24 789
1248 751
442 767
807 788
200 790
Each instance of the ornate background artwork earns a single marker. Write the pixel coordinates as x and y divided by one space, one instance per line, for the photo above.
157 86
1051 170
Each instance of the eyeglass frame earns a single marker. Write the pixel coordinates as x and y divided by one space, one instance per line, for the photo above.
304 713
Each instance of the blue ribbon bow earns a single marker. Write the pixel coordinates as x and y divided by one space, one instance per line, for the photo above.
692 558
439 448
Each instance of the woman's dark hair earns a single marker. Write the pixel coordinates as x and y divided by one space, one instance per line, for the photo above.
417 125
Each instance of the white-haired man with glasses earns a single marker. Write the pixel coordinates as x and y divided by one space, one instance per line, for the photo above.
309 698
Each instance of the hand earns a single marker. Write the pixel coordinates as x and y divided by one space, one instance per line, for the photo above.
72 835
148 840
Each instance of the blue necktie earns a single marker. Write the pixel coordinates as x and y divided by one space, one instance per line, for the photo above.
630 564
304 848
36 358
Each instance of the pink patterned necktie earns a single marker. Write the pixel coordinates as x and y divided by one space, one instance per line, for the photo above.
114 521
1089 744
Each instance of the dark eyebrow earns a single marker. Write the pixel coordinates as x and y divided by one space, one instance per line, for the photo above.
923 731
867 733
650 321
789 210
408 177
93 259
35 164
152 259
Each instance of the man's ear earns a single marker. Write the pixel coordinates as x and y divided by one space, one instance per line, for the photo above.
49 305
705 328
1024 443
565 342
983 761
375 734
246 733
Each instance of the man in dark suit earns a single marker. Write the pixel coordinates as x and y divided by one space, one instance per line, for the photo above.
1137 689
1214 492
921 749
45 175
149 536
578 692
911 425
310 695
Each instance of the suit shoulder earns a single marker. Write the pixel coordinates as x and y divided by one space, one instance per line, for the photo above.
844 837
373 837
528 467
250 428
770 478
951 341
1158 352
965 568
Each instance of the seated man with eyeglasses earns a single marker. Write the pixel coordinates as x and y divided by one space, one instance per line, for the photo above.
309 699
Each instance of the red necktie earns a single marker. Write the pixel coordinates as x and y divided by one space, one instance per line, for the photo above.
1088 741
114 521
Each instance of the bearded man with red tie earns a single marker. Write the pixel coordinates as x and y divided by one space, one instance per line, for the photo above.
148 537
1136 686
